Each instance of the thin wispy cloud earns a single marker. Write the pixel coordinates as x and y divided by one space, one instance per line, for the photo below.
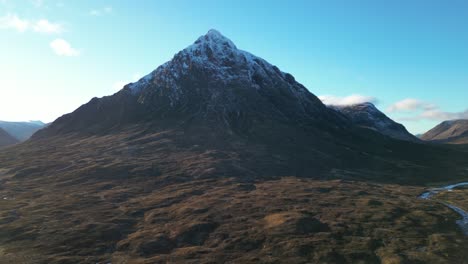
435 115
45 26
411 104
347 100
14 22
61 47
101 11
418 110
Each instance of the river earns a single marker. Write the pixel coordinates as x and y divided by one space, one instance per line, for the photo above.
463 222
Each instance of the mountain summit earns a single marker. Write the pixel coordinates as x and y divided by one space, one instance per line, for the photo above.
212 76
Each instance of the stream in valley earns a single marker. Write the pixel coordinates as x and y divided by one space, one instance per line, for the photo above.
463 222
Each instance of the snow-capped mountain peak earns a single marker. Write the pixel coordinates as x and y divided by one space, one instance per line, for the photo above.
214 39
215 62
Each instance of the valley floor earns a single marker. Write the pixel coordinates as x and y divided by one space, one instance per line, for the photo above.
288 220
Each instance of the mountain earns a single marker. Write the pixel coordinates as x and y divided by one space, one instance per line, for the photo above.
21 130
212 83
6 139
218 156
214 95
454 132
368 116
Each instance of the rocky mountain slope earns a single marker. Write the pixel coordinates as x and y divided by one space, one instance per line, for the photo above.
368 116
21 130
454 132
218 156
6 139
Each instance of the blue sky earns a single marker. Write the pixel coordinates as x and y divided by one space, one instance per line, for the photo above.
409 57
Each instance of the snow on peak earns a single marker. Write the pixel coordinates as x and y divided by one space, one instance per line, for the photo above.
215 38
218 57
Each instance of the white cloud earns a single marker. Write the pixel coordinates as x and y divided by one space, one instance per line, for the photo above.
347 100
421 110
11 21
100 12
62 48
411 104
440 115
44 26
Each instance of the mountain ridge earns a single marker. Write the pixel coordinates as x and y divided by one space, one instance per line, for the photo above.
451 131
21 130
369 116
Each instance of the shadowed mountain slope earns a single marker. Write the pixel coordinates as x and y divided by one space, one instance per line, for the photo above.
6 139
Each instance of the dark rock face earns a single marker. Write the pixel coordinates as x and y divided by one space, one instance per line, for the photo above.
368 116
6 139
455 131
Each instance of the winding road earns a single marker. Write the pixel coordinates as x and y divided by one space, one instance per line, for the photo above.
463 223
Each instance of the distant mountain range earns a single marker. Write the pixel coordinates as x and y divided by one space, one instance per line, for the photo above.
368 116
21 130
453 132
6 139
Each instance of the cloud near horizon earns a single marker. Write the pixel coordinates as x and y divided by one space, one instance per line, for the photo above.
415 109
411 104
347 100
421 110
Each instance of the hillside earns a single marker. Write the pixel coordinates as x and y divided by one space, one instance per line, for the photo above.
453 132
6 139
